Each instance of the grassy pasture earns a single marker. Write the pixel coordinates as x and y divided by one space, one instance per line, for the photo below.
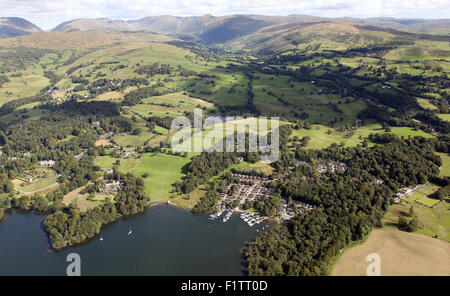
260 167
179 100
110 96
29 113
80 200
293 98
131 140
224 90
46 178
271 91
169 105
134 140
148 110
164 170
434 222
445 117
323 136
29 83
424 103
421 195
105 162
187 200
445 170
214 133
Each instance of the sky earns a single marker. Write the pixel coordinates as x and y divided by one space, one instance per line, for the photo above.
47 14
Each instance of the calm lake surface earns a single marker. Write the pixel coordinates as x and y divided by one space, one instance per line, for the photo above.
165 240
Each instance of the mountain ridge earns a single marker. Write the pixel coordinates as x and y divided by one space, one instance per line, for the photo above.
198 25
16 26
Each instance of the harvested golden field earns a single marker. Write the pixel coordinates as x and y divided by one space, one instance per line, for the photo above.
401 253
112 95
81 200
78 199
103 143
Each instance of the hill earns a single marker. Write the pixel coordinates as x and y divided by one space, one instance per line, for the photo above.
208 28
218 30
94 24
311 37
323 36
436 26
80 39
14 26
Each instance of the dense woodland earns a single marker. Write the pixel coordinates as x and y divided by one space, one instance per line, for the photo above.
350 204
42 140
70 226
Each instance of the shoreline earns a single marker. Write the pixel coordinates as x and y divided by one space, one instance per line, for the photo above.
150 204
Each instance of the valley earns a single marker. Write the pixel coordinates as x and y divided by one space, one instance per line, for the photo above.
86 114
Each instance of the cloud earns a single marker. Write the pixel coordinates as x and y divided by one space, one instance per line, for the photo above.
49 13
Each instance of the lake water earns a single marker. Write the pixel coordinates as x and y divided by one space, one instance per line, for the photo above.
165 240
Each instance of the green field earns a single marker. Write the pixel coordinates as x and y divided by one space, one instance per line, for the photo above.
25 113
170 105
432 214
134 140
164 170
421 195
433 221
81 200
445 117
144 137
445 170
424 103
323 136
105 162
28 83
46 178
244 166
293 98
224 89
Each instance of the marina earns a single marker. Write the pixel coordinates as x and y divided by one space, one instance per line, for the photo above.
251 219
216 215
227 216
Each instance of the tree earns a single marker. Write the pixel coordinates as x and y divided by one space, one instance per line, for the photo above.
11 175
421 178
137 131
413 225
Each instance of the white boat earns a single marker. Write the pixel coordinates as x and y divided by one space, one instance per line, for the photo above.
227 216
215 215
101 238
130 232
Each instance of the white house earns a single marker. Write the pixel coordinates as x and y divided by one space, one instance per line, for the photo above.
46 163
